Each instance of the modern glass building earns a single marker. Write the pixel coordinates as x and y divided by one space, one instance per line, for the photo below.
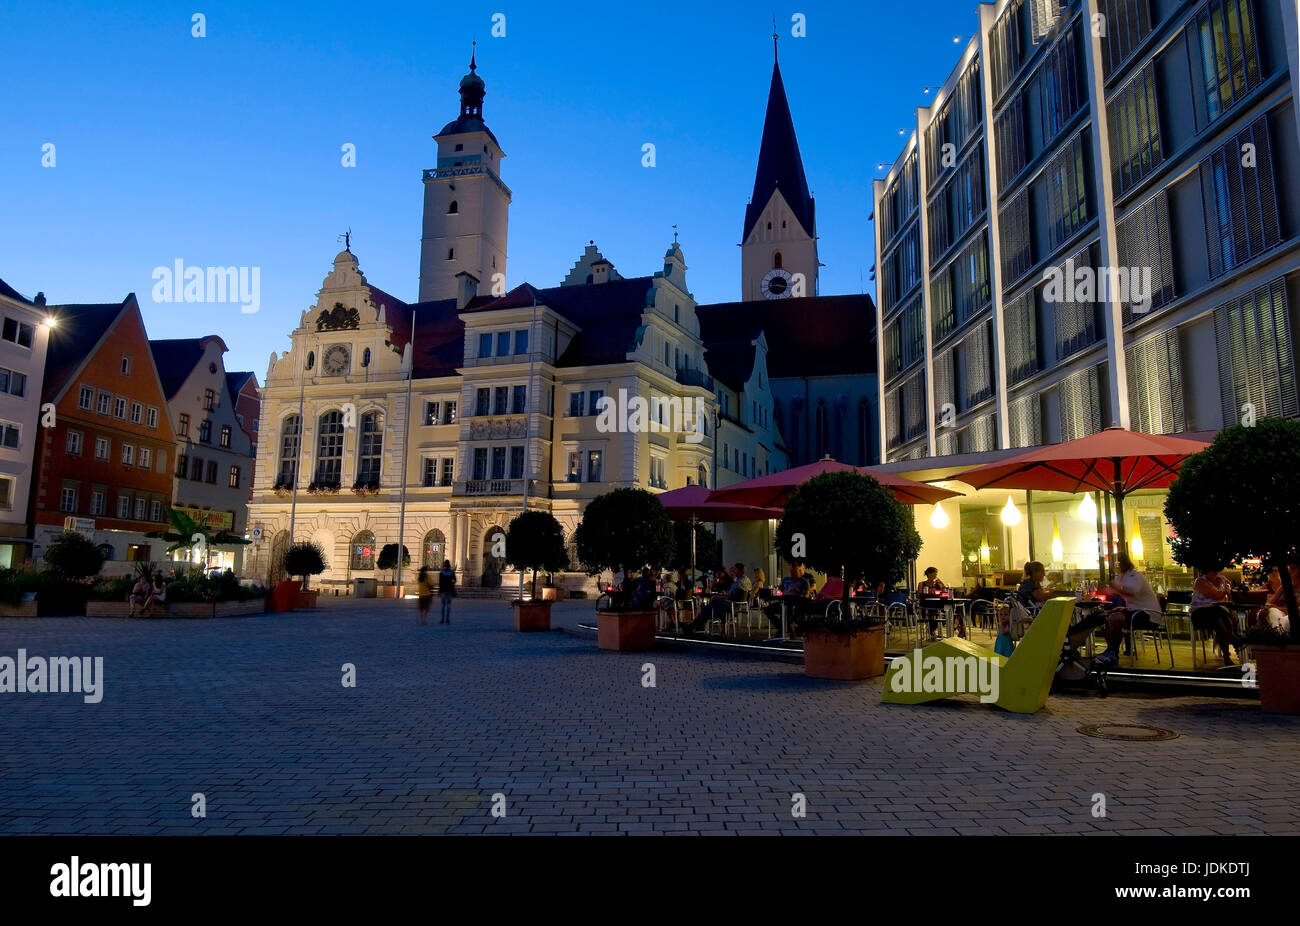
1096 221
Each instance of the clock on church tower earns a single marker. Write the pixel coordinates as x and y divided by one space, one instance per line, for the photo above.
337 360
777 284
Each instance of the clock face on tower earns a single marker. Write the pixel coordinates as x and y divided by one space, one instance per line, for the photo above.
776 284
336 361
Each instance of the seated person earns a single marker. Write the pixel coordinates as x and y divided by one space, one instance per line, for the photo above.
139 594
1210 610
1139 609
760 583
931 587
721 603
793 595
158 592
1033 589
644 591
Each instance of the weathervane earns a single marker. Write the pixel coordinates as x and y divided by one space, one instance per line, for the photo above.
774 38
674 234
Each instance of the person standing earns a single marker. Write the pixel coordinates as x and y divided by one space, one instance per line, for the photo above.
446 589
425 591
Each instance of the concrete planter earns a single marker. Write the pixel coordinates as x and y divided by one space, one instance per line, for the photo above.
625 631
532 616
388 591
307 599
1277 669
844 656
23 609
553 593
178 609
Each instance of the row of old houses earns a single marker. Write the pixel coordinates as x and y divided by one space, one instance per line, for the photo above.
102 430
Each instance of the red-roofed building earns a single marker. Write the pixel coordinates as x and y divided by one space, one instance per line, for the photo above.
105 466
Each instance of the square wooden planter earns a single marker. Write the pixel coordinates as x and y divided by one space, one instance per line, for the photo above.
22 609
625 631
1277 669
532 616
307 599
844 656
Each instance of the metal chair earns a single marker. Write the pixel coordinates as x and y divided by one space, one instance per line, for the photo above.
1137 640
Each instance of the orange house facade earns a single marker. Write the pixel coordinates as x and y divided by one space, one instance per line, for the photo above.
107 461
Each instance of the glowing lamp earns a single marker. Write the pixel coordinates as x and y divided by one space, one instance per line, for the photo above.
1058 549
1010 513
938 517
1136 546
1087 509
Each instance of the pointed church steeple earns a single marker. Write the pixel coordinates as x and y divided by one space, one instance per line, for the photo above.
780 166
779 243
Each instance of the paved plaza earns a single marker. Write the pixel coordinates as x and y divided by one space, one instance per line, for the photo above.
252 714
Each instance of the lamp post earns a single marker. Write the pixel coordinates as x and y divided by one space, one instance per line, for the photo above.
406 457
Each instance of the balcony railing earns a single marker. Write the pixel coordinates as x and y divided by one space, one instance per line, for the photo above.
689 377
492 487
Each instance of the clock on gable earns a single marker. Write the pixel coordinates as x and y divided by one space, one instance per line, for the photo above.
776 284
337 360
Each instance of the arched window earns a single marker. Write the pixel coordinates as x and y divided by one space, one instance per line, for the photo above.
435 549
823 439
776 260
703 475
365 357
453 208
311 359
329 449
451 253
372 447
864 433
363 551
290 434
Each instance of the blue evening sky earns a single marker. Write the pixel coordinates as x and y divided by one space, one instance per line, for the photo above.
225 150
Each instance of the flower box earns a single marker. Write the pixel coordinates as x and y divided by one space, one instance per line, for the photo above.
847 656
532 616
1277 670
625 631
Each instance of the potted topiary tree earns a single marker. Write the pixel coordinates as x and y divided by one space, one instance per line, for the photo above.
535 540
73 556
846 524
388 560
305 559
620 531
1240 499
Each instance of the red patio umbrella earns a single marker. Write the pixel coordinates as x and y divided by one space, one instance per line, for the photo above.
775 489
1116 461
691 503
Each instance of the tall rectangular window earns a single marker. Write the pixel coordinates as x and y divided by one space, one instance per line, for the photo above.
595 465
1241 212
1256 359
516 462
1155 389
480 462
518 400
501 400
1134 117
485 345
1223 34
498 462
482 402
521 341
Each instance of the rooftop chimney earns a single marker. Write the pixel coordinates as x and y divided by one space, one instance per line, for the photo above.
466 288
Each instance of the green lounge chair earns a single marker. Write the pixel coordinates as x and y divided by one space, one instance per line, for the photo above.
1022 681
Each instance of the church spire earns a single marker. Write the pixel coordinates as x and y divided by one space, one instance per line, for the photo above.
780 166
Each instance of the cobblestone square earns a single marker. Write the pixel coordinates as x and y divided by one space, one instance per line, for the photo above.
252 714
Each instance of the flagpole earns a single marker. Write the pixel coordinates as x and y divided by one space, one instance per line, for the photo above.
532 334
297 456
406 457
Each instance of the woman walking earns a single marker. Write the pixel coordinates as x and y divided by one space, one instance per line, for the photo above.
446 589
425 593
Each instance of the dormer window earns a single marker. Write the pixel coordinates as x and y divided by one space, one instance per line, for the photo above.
453 208
451 253
126 366
460 147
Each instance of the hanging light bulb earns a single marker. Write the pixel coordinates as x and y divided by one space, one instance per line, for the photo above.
1058 549
1087 508
938 517
1010 513
1136 546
